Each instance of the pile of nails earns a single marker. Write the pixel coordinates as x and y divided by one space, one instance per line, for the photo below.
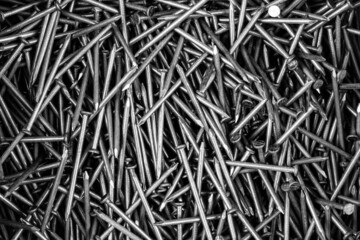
187 119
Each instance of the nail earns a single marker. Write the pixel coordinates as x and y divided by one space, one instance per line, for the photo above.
224 50
95 25
160 127
347 209
25 175
259 146
147 168
43 56
80 100
304 215
332 14
246 29
171 188
189 135
304 50
103 6
199 180
158 48
212 106
195 193
126 218
301 119
76 167
4 15
250 115
144 201
309 15
87 204
147 10
122 41
345 230
325 143
334 80
219 77
263 224
193 40
169 94
299 21
35 17
255 197
300 92
116 225
311 208
329 31
105 93
38 107
173 25
261 166
227 201
309 160
188 220
183 6
269 187
11 205
345 175
179 208
192 96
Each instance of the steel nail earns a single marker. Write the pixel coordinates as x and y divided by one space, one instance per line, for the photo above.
126 218
144 201
183 157
116 225
76 167
301 119
173 25
243 122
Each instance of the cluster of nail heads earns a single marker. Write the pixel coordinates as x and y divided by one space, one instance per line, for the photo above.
180 119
